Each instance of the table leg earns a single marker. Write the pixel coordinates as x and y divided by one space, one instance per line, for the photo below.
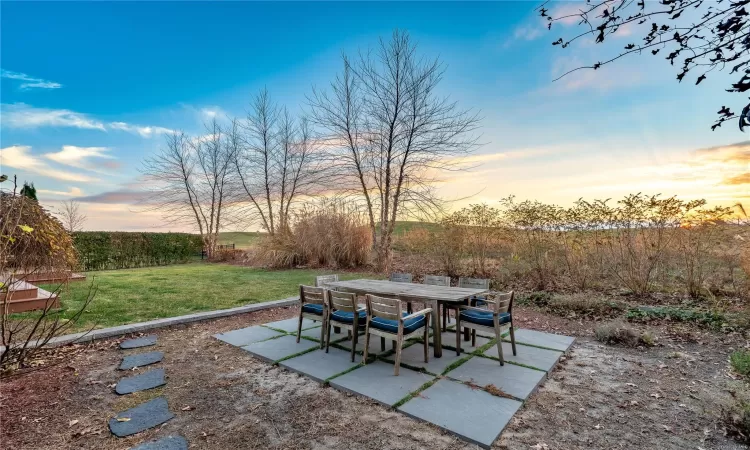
437 343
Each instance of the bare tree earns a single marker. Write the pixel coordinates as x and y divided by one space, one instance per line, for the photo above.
278 162
71 216
190 180
393 134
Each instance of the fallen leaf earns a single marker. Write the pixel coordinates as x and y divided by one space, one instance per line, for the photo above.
598 427
123 419
187 408
630 384
72 422
656 395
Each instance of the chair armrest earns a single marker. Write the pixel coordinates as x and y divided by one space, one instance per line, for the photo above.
417 314
473 308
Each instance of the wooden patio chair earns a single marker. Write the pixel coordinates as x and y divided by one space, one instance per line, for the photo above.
498 317
344 313
321 280
440 280
385 319
313 306
402 278
475 283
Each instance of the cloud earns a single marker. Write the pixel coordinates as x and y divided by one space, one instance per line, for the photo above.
121 196
29 82
21 115
73 192
528 32
73 156
20 157
739 179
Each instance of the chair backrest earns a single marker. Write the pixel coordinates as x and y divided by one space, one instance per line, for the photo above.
387 308
474 283
503 302
437 280
342 301
323 279
401 277
310 294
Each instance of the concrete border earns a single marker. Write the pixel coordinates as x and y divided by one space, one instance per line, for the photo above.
77 338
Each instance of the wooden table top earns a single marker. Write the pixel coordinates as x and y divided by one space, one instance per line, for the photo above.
408 291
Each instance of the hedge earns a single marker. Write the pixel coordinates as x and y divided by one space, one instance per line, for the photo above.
101 250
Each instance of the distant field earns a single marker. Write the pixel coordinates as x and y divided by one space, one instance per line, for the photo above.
404 226
241 239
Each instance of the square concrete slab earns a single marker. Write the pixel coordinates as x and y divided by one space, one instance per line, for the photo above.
514 380
144 341
275 349
449 341
413 356
290 325
540 339
528 356
165 443
487 334
375 348
245 336
314 333
472 414
147 380
140 360
376 381
321 365
142 417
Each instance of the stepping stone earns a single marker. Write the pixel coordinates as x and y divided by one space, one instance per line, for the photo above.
314 333
141 382
290 325
376 381
514 380
245 336
528 356
449 341
413 356
165 443
472 414
140 360
142 417
321 366
540 339
144 341
375 348
273 350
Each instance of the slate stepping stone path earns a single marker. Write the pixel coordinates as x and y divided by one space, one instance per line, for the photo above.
144 341
165 443
147 380
140 360
142 417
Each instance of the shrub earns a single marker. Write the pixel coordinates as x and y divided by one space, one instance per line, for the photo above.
100 250
540 299
227 255
583 304
740 360
736 418
712 319
616 332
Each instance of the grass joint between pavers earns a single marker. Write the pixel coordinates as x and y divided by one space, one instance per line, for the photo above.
312 349
415 393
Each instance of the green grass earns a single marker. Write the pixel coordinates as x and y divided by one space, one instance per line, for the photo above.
404 226
137 295
240 239
740 360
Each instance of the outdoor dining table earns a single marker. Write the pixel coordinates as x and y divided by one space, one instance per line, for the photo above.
429 294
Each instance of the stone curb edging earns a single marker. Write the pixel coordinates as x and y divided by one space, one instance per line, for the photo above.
104 333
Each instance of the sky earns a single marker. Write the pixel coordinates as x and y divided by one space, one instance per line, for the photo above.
89 89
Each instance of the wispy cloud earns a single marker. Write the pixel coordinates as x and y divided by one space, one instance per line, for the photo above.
21 115
528 32
73 192
20 157
121 196
28 82
79 157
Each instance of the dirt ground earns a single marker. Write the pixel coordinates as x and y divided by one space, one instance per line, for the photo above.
599 397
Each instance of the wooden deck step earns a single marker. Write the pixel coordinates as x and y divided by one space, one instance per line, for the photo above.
50 277
19 290
42 300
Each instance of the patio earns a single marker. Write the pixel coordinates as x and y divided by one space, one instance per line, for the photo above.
471 396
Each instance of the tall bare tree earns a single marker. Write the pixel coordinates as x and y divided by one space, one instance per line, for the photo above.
393 134
190 180
278 162
71 216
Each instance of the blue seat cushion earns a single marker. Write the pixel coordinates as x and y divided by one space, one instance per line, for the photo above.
483 318
313 308
478 300
391 326
348 317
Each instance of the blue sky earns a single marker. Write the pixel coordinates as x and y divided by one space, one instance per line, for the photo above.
88 89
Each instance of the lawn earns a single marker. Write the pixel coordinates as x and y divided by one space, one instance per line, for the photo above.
136 295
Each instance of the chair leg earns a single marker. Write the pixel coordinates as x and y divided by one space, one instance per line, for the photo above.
512 338
473 338
393 345
458 335
323 329
426 343
445 318
355 335
367 342
408 308
299 327
328 339
382 344
399 344
499 344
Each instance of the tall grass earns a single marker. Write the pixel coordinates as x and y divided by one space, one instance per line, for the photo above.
330 234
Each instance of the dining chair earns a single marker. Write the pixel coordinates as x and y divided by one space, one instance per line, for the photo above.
321 280
313 306
385 319
344 313
440 280
401 277
475 283
498 317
